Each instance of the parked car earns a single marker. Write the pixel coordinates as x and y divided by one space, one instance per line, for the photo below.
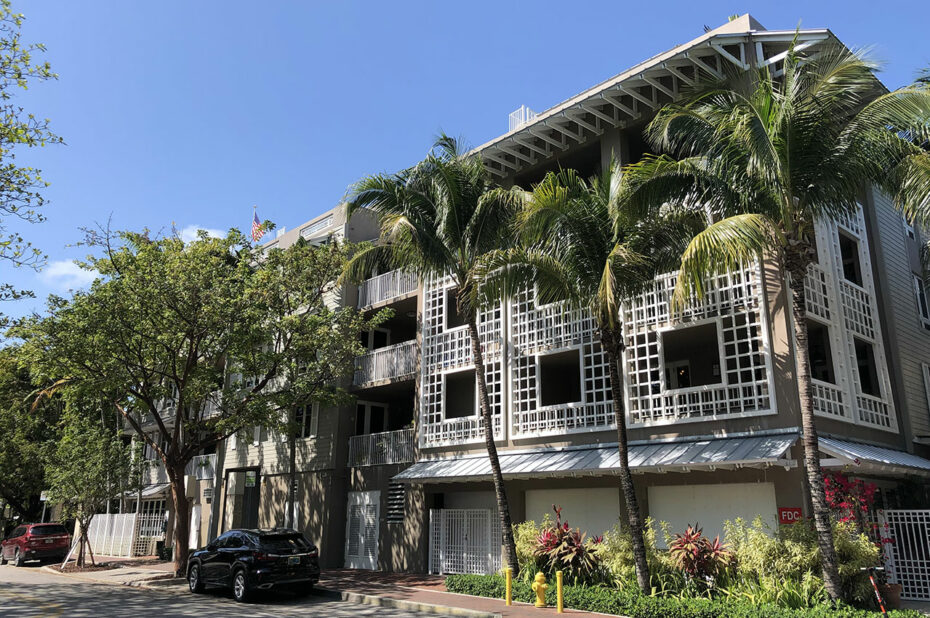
35 542
248 560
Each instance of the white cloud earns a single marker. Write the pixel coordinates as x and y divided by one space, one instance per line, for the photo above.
189 233
66 275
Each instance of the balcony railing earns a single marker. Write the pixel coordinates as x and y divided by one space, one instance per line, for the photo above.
389 363
385 287
203 467
376 449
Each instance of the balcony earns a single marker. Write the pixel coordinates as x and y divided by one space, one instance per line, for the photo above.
393 362
202 467
378 449
388 286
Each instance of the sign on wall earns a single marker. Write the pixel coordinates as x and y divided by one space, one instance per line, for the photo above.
789 515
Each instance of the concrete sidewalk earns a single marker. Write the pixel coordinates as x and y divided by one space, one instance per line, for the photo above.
125 575
425 593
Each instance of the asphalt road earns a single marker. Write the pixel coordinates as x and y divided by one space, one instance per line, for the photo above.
29 591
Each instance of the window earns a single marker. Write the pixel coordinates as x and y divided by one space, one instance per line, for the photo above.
460 394
909 231
920 291
370 418
821 355
925 370
691 356
306 419
375 339
849 255
316 226
453 318
559 378
868 372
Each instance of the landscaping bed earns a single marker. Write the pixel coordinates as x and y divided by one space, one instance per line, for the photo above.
627 602
73 568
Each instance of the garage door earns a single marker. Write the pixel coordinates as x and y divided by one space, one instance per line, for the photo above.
711 505
594 510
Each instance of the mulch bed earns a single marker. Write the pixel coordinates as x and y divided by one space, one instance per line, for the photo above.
73 568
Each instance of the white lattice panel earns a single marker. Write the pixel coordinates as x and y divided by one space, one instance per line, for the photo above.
907 556
736 301
857 318
446 349
538 329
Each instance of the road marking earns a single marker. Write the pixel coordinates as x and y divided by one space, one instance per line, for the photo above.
49 609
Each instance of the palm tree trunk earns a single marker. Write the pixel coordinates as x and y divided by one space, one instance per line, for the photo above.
822 519
612 344
503 506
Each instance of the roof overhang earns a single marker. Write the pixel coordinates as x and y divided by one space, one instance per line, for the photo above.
679 455
636 94
869 458
149 491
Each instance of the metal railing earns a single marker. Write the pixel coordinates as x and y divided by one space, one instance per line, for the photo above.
376 449
202 466
391 362
385 287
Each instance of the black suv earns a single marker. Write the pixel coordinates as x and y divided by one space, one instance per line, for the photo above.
245 560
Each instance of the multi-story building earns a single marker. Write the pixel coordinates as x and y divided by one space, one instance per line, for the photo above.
401 480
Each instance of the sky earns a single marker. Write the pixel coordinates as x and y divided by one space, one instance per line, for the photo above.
189 113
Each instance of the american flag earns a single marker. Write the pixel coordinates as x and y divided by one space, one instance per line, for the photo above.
257 231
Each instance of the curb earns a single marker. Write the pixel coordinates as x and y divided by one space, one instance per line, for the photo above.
160 583
411 606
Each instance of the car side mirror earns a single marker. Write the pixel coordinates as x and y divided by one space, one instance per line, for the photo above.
211 546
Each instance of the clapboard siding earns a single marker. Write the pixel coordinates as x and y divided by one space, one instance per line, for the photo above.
910 344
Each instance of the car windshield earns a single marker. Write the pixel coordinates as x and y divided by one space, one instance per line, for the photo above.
284 542
48 530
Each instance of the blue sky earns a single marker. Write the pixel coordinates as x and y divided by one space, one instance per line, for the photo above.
191 112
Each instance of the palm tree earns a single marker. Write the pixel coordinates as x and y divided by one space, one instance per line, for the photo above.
580 246
769 157
438 219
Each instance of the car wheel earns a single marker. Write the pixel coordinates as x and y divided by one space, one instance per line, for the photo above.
194 578
240 587
3 559
18 559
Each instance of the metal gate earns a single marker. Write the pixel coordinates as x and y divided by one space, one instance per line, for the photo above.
362 522
906 546
464 541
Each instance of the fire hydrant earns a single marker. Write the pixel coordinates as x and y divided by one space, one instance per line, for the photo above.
539 587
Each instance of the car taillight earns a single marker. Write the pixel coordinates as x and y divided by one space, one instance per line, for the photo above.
313 553
263 557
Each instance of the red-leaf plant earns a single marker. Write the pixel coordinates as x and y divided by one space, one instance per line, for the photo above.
698 556
560 547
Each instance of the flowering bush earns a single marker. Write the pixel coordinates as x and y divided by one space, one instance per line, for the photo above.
849 499
698 556
559 547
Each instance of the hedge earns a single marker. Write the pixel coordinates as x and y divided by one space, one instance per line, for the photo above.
635 605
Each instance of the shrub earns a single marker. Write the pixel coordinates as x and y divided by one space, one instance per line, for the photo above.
525 535
616 552
698 556
559 547
630 602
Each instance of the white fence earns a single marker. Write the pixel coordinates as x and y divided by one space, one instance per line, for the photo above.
111 534
393 361
464 541
385 287
375 449
906 541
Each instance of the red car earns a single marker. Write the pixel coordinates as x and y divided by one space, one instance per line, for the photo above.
35 542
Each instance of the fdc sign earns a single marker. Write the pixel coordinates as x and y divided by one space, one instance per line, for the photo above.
789 515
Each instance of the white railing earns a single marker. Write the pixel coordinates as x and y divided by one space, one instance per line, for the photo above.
521 116
393 361
153 472
202 466
376 449
385 287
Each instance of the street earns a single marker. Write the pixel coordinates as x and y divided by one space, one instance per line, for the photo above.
29 591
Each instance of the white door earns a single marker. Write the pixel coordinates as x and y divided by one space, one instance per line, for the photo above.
362 529
194 536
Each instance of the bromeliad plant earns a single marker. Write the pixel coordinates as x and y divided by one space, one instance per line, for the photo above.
559 547
697 556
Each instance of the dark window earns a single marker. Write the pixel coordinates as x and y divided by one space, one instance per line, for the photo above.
303 421
849 254
284 542
560 378
359 419
460 394
453 317
48 530
20 531
692 356
379 339
920 291
821 356
868 373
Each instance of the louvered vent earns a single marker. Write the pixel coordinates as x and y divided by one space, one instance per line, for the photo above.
395 503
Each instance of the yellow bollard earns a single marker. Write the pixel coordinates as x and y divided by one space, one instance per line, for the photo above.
559 603
508 599
539 587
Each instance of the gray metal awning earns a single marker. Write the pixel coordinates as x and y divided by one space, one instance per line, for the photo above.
148 491
601 460
872 458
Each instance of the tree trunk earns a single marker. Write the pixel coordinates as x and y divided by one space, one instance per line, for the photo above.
822 517
181 518
612 344
503 506
291 480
